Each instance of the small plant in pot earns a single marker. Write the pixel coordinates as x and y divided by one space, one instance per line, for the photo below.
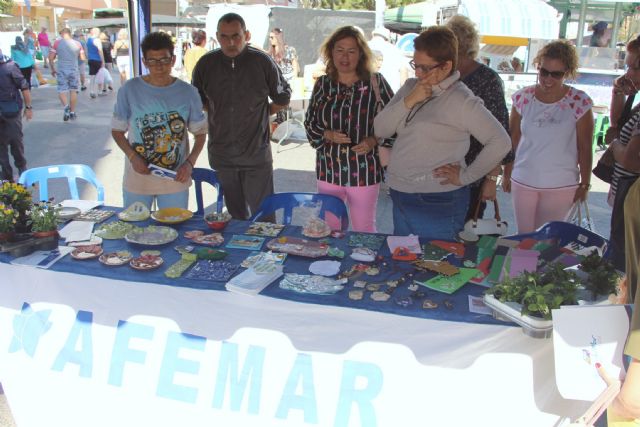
8 219
43 219
602 277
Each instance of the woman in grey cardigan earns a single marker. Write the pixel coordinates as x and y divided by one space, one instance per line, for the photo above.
433 116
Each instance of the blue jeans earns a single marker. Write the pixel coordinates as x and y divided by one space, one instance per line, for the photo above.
434 215
173 200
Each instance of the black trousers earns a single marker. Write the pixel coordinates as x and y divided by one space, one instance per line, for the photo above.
11 139
245 189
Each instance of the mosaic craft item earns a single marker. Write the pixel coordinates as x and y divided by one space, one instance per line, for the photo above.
146 262
217 271
440 267
306 284
114 259
449 284
137 211
114 230
211 254
172 215
94 215
152 235
192 234
176 269
213 239
316 228
431 252
267 229
86 252
325 268
298 246
273 257
371 241
251 243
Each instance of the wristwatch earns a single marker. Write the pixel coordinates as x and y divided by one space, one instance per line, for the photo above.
493 178
28 107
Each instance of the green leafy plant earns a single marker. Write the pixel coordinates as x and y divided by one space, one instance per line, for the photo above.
539 293
602 276
44 216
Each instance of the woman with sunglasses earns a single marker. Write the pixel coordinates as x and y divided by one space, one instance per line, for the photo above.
339 125
551 127
434 115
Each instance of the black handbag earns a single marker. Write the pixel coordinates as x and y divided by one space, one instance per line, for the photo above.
9 109
604 167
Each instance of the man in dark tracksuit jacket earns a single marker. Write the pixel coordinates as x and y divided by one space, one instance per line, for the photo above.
235 83
12 82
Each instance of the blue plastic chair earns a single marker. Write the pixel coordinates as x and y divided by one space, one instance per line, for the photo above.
72 172
200 175
288 201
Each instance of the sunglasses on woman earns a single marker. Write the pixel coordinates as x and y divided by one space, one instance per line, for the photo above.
554 74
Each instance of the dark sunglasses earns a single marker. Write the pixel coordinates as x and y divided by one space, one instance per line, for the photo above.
554 74
423 68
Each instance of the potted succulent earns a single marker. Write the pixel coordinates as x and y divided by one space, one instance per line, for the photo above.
43 219
8 219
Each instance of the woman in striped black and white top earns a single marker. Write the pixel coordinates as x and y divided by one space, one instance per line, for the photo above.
339 125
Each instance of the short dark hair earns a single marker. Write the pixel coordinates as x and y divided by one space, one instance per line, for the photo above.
440 43
65 31
232 17
198 37
156 41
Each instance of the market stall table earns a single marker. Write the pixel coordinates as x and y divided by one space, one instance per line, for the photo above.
87 344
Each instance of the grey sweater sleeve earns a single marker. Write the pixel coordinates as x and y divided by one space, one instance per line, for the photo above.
490 133
394 113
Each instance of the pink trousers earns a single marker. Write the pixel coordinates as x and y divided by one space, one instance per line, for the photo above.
361 202
534 207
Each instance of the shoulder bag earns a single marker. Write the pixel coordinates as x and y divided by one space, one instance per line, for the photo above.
484 226
9 109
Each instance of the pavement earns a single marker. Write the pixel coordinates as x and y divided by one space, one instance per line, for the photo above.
50 141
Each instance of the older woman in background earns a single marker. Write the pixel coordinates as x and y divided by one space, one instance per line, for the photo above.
487 85
434 115
194 53
339 124
551 131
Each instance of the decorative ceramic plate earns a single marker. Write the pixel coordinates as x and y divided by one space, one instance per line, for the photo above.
114 230
172 215
213 239
148 262
94 215
264 229
153 235
68 212
297 246
116 258
190 234
87 252
135 212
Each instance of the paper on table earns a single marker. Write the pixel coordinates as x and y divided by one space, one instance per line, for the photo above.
43 259
83 205
582 337
77 231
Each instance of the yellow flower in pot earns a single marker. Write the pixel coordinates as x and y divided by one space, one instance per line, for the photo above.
8 218
43 219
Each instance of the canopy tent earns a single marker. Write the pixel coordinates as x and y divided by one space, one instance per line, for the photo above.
404 19
121 22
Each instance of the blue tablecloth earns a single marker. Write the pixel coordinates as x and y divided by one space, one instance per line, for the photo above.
293 264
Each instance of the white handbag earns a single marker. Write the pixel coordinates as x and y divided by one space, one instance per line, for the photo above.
484 226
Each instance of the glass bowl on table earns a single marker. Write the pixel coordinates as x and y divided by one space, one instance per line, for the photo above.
217 221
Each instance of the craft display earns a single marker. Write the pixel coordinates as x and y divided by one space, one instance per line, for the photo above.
306 284
176 269
172 215
114 230
363 254
254 279
217 271
94 240
316 228
87 252
213 239
252 243
266 229
115 259
371 241
217 221
298 246
440 267
152 235
325 268
146 262
95 215
211 254
449 284
192 234
137 211
68 212
273 257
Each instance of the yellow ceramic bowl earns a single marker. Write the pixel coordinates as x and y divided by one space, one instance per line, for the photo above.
172 215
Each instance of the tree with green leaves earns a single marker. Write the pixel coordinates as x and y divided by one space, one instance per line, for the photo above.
6 6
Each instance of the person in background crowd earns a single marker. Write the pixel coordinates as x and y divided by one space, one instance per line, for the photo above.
45 44
68 51
82 64
212 44
347 162
193 54
108 62
433 117
236 83
23 58
551 131
487 85
287 59
31 41
123 60
624 143
517 65
96 61
599 37
151 122
394 66
12 85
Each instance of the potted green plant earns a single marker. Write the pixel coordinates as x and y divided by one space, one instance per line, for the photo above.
43 218
8 219
601 276
19 198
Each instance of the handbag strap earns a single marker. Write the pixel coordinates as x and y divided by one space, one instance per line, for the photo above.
496 210
626 112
